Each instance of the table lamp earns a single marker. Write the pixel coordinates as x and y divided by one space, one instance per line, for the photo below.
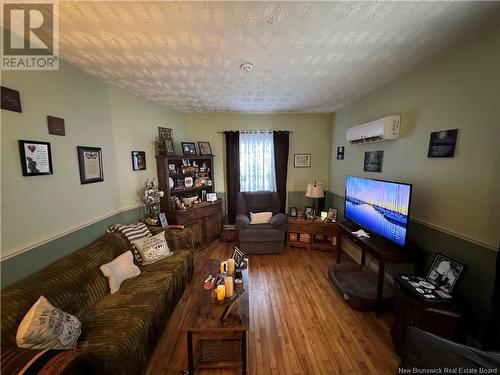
315 190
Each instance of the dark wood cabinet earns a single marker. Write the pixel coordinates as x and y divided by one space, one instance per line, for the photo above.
185 177
312 234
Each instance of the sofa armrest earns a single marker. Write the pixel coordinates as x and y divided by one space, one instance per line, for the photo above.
177 238
242 222
280 221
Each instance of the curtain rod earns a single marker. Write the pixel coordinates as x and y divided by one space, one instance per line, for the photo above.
254 130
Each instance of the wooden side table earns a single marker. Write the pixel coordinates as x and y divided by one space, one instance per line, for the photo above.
312 234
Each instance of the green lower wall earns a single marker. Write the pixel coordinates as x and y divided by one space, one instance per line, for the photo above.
476 287
24 264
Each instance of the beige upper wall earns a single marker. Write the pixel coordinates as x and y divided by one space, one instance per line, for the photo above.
37 208
459 90
311 134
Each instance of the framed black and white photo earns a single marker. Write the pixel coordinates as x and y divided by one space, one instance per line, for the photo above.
238 257
444 273
163 135
163 219
302 160
90 163
340 152
293 211
204 148
139 160
36 158
211 197
309 212
332 214
373 161
442 144
188 148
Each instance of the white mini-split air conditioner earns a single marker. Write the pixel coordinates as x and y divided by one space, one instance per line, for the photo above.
376 131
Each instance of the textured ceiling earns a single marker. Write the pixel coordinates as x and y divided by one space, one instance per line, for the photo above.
308 57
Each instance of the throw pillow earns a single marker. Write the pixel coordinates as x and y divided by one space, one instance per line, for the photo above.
120 269
261 217
45 327
152 249
132 232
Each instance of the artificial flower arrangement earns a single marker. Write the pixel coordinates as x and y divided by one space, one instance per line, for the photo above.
151 198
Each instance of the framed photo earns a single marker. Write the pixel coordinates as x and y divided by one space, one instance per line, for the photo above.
340 152
163 219
332 214
90 162
293 211
10 99
373 161
56 125
204 148
211 197
237 256
302 160
442 144
235 302
36 158
188 148
308 212
163 135
139 160
444 273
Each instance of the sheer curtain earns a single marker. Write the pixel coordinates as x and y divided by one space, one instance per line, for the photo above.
257 161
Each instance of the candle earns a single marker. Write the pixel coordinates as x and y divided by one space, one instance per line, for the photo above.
230 267
228 283
221 292
238 284
223 267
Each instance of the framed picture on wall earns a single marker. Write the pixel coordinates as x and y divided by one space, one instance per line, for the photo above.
90 163
301 160
36 158
139 160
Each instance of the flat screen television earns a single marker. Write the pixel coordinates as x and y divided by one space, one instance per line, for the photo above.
379 206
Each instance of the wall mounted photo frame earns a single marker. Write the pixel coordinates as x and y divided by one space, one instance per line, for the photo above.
373 161
188 148
36 158
10 99
302 160
442 144
340 152
205 148
56 126
90 163
138 160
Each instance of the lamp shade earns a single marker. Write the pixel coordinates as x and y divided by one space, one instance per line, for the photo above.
315 190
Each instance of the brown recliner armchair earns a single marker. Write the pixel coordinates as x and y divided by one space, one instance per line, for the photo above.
260 238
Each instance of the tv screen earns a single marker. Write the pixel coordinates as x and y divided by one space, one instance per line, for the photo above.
379 206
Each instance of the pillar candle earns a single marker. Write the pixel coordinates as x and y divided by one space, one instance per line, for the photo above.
221 292
230 267
228 283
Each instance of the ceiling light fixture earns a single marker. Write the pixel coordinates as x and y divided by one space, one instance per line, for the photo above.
246 67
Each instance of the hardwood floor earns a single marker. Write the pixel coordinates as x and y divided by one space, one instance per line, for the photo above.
299 322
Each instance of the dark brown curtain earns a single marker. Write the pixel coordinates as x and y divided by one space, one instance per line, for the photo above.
281 146
493 335
232 172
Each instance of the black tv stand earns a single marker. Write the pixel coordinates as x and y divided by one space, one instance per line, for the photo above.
379 248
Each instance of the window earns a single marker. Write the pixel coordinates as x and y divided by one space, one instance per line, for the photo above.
257 161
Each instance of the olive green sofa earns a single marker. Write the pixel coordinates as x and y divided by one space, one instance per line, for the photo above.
119 330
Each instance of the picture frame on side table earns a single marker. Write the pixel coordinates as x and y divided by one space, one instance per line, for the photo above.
293 211
445 273
90 163
138 160
205 148
302 160
163 219
237 256
36 158
308 212
188 148
211 197
332 214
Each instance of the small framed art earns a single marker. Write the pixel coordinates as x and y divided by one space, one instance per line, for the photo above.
442 144
139 160
373 161
90 163
188 148
163 135
163 219
293 211
238 257
302 160
36 158
10 99
204 148
445 273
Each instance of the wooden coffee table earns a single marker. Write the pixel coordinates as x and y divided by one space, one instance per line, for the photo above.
212 343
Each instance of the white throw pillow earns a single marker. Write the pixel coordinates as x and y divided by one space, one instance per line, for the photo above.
152 249
261 218
45 327
120 269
